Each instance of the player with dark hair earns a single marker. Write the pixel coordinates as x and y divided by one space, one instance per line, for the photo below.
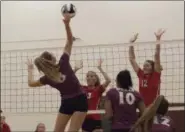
122 102
94 90
154 118
149 76
61 76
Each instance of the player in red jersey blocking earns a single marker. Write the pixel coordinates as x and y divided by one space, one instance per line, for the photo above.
149 76
94 90
154 118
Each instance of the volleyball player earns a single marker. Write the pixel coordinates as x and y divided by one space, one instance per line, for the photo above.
154 118
94 90
4 126
149 76
74 103
121 103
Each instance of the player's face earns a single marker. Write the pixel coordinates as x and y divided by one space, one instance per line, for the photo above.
41 127
147 68
2 119
91 78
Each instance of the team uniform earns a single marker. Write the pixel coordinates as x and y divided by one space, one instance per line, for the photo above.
5 128
93 121
163 124
124 105
73 97
149 86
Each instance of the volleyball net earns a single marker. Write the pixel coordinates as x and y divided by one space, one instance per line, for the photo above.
17 97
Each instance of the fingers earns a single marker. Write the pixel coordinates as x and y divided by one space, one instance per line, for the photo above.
160 32
134 38
100 61
29 62
163 31
136 35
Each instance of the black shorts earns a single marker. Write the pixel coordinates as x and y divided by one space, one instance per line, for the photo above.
89 125
71 105
120 130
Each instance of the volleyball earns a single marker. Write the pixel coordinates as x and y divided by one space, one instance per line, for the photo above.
68 9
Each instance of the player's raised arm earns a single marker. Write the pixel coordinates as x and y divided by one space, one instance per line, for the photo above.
31 81
106 77
132 57
69 41
157 65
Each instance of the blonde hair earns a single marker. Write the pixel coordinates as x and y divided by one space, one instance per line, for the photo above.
46 64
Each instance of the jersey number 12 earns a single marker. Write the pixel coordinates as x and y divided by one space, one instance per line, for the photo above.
144 83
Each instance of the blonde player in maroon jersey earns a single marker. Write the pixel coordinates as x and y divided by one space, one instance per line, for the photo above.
149 76
74 103
94 90
154 118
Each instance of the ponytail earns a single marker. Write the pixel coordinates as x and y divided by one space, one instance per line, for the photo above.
50 69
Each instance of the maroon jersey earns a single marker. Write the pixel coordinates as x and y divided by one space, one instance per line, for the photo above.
5 127
70 87
94 96
163 124
124 105
149 86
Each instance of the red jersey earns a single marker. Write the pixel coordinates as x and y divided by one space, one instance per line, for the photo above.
149 86
94 96
5 128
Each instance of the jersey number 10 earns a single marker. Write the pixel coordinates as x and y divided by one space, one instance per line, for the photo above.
128 99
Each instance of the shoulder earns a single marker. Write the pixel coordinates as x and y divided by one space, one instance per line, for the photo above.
111 91
43 80
5 125
140 72
64 56
136 92
137 95
156 74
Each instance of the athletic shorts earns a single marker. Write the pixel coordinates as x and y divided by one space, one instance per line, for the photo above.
75 104
120 130
89 125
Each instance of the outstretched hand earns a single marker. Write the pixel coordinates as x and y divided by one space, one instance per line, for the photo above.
78 65
134 38
29 63
159 33
100 63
